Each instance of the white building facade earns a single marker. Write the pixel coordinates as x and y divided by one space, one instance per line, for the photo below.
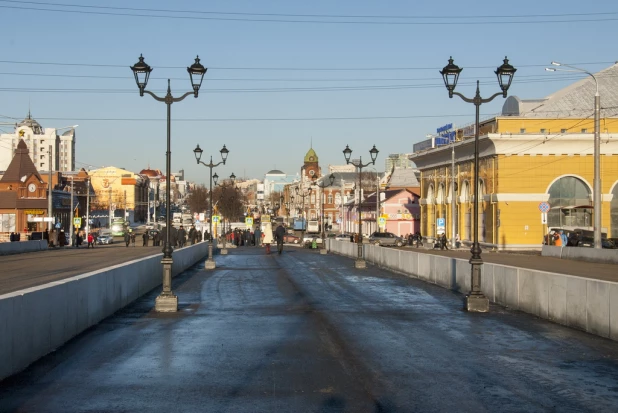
45 147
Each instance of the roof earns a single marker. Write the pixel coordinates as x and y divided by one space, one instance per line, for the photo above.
275 172
32 124
311 153
21 165
573 101
403 178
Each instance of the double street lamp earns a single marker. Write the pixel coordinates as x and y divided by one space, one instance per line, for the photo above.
167 301
210 262
596 190
322 186
476 301
347 153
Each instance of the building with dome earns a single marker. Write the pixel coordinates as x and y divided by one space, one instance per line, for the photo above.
274 183
46 147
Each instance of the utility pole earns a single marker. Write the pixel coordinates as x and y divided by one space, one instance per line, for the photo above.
453 205
49 190
88 207
71 215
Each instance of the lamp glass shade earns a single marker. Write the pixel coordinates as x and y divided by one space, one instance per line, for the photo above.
233 177
331 178
347 153
450 74
374 154
505 75
215 178
198 153
196 74
141 71
224 152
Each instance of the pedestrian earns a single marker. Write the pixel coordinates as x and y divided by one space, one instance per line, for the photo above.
564 239
127 238
182 237
90 241
419 239
258 237
279 234
145 239
192 234
133 238
443 242
62 238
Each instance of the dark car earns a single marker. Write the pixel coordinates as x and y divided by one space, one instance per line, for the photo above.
386 238
291 239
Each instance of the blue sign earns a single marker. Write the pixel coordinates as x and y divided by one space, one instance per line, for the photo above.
440 225
58 225
444 128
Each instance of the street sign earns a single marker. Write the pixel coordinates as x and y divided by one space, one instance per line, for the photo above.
440 226
543 207
249 221
216 218
543 217
58 225
77 222
382 222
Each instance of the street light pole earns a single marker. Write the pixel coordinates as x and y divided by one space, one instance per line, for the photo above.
476 301
167 301
322 186
210 262
596 190
347 152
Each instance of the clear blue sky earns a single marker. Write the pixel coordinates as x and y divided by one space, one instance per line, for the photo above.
241 54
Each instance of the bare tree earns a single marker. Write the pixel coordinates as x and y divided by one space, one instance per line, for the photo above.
198 199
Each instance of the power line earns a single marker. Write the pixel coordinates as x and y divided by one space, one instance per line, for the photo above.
125 66
305 15
458 20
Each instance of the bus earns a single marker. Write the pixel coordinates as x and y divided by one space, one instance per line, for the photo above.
313 226
119 226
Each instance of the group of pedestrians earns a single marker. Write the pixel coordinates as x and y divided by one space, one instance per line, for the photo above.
245 238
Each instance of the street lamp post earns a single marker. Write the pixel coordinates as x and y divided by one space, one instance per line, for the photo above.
221 198
476 301
210 262
303 194
167 301
322 186
347 153
596 190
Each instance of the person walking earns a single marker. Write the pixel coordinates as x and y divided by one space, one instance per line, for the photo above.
279 234
62 238
182 237
127 238
90 240
258 237
145 239
443 242
192 234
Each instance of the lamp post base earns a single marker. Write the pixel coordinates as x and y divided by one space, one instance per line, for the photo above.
210 264
360 263
323 251
476 303
166 303
223 251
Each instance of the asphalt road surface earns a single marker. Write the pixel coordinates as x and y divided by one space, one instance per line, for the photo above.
301 332
27 270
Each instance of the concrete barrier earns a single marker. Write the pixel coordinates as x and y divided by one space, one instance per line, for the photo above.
19 247
37 320
603 256
578 302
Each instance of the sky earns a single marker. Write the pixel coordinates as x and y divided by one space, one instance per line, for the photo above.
282 75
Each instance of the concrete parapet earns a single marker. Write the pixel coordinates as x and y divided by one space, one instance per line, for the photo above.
602 256
37 320
19 247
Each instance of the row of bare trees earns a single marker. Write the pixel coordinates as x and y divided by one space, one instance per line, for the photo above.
227 199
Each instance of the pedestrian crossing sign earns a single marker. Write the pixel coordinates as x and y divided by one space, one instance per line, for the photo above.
216 218
249 221
77 222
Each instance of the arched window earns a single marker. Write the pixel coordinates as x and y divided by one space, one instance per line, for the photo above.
569 199
465 192
330 199
440 198
430 194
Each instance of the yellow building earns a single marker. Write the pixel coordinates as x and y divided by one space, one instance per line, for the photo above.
536 151
124 190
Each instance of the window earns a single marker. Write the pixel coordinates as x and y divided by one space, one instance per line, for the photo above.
522 130
543 130
330 198
584 130
563 131
568 192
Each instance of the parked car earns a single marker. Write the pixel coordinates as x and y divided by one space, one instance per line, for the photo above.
291 239
105 239
386 238
589 242
310 236
342 237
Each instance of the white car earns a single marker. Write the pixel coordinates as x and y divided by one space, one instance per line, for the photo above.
342 237
310 236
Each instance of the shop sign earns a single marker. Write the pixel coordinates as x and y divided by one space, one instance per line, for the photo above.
35 211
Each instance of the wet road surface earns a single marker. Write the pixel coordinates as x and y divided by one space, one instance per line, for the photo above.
30 269
303 332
